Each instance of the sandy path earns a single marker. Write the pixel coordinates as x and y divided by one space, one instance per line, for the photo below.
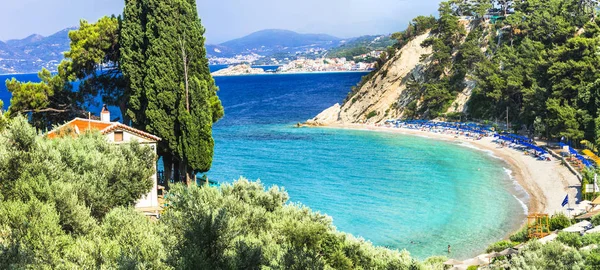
546 182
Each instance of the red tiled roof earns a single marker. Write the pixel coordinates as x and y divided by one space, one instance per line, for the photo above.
130 129
79 125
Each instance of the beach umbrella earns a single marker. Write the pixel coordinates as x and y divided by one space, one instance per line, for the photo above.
476 261
572 151
453 262
508 251
493 255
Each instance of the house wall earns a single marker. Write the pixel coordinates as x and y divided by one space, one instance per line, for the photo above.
150 199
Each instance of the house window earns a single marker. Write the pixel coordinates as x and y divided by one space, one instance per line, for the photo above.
118 136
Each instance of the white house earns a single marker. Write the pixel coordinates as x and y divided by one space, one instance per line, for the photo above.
116 133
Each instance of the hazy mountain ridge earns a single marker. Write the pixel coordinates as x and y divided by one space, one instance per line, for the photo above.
273 41
31 54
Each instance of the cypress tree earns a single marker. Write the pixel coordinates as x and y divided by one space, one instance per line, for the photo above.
173 94
201 106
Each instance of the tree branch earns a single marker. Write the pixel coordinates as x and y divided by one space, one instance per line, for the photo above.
44 110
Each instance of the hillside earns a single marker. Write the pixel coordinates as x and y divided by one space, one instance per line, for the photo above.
383 90
275 43
537 60
362 45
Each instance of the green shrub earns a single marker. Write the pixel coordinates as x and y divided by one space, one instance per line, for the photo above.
570 239
500 246
242 226
590 239
371 114
553 255
559 221
62 203
596 220
520 236
435 262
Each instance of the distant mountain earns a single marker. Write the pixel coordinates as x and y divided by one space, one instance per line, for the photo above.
31 54
20 42
277 39
272 41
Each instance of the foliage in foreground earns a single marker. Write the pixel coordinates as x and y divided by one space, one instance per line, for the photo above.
568 251
242 226
63 202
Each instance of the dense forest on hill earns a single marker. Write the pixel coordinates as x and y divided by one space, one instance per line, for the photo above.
536 59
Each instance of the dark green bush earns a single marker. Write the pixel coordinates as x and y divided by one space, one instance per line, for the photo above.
520 236
371 114
570 239
500 246
559 221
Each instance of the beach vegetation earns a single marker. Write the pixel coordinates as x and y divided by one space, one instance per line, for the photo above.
520 236
570 239
596 220
371 114
67 203
553 255
559 221
244 226
500 246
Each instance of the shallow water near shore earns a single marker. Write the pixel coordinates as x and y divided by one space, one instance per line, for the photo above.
398 191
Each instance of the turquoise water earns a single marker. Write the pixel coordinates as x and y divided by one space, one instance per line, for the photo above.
390 189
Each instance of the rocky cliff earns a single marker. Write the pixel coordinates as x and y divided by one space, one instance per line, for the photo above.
405 86
378 99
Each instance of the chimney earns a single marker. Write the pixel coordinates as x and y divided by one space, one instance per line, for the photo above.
105 114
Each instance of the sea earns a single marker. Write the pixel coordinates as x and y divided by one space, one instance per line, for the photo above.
397 191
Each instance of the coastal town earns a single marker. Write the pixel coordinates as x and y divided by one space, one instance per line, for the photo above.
301 65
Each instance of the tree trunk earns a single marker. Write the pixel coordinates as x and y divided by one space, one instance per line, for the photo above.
123 109
177 171
168 170
183 173
185 73
189 176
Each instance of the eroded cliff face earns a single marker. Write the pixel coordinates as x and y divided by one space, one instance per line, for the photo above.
379 98
397 89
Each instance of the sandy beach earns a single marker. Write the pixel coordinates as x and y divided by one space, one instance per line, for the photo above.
546 182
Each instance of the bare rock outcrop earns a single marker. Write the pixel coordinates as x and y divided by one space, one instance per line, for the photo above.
327 117
377 99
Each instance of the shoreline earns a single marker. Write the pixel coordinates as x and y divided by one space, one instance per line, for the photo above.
294 73
545 182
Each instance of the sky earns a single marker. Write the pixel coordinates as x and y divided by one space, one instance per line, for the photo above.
228 19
